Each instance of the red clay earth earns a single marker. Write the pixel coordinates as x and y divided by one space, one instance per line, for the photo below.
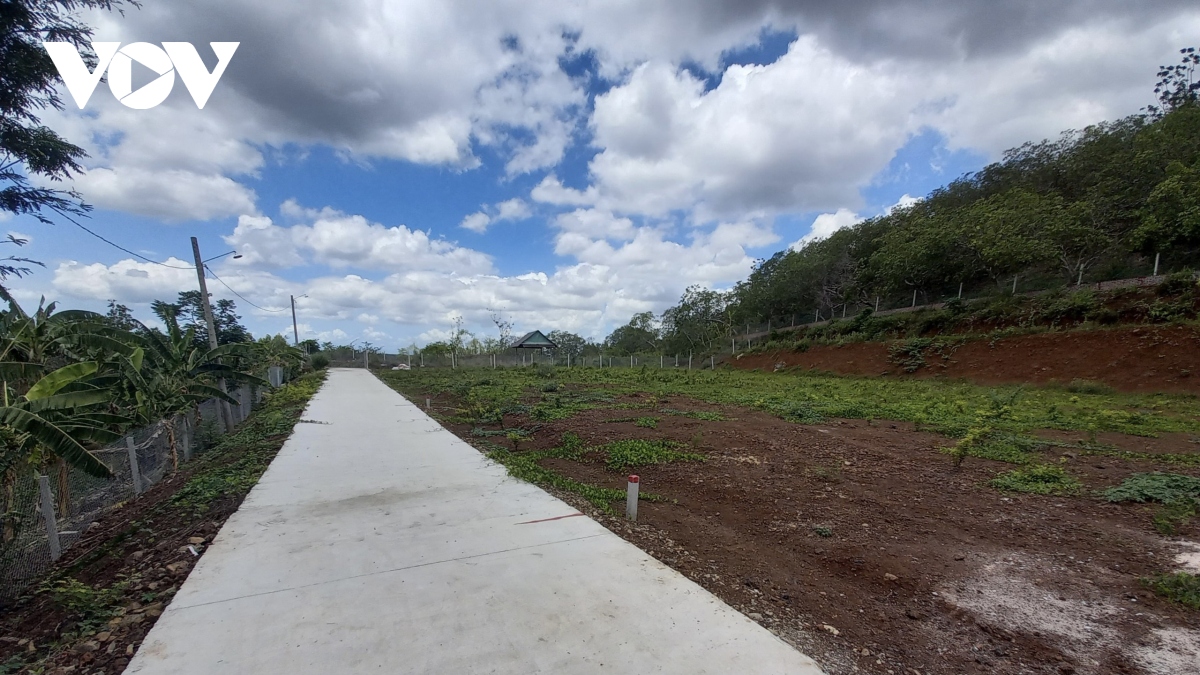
924 569
1143 359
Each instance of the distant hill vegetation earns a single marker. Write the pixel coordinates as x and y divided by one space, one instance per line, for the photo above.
1096 204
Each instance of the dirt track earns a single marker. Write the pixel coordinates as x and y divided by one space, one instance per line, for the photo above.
1144 359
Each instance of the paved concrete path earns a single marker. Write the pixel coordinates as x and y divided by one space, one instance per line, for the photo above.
378 542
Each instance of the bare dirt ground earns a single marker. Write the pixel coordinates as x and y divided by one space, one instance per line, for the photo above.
1141 359
861 543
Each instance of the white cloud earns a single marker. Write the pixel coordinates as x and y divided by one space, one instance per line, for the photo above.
512 209
341 240
128 280
552 191
825 225
800 134
476 222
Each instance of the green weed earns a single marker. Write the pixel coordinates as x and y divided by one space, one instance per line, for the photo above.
695 414
1165 488
1078 386
88 606
646 422
1178 494
639 452
1039 479
255 443
1180 587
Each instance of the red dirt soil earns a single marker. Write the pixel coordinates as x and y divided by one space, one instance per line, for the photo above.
1143 359
861 544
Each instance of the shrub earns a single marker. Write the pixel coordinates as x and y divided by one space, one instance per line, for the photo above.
319 361
1178 283
910 353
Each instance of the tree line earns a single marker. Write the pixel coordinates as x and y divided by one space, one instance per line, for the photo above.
1094 204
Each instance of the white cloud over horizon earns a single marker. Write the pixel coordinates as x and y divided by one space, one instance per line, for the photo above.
643 174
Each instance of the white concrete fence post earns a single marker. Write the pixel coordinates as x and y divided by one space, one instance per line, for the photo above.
427 405
631 498
47 509
186 438
133 466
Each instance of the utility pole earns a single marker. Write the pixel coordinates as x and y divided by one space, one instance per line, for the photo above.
295 331
222 406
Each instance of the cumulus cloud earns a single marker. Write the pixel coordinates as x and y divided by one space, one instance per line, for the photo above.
512 209
825 225
128 280
690 165
803 133
338 239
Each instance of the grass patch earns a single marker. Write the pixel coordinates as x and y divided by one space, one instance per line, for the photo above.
525 466
92 607
949 407
695 414
255 444
646 422
1179 587
639 452
1038 479
1164 488
1078 386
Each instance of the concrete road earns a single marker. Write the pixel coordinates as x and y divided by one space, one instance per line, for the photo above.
378 542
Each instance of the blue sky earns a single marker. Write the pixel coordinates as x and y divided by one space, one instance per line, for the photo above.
562 178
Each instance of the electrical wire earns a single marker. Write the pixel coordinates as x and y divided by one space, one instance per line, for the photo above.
174 267
118 246
214 274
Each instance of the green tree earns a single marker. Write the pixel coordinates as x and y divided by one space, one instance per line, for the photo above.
638 336
568 343
189 312
702 319
29 85
1172 214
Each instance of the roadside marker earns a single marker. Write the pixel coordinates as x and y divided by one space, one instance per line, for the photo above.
631 498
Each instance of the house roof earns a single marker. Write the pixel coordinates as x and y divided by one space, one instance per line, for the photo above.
534 340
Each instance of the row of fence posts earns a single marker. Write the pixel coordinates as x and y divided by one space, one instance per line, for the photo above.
245 404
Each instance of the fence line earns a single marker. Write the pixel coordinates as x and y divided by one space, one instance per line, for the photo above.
45 514
761 330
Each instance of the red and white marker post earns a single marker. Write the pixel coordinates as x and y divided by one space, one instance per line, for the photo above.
631 498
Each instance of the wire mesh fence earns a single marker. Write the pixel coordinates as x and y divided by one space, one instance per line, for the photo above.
920 300
511 358
47 511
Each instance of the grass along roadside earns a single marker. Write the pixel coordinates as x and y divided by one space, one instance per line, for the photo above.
94 609
949 408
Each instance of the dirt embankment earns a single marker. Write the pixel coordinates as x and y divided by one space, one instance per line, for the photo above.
1142 359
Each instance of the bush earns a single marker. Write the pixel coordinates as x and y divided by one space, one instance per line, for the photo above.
1178 283
319 361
